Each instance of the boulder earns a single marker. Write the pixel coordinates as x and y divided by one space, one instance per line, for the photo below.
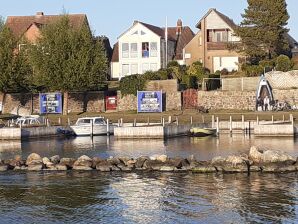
34 159
61 167
95 161
167 168
123 167
83 167
83 161
3 167
67 162
202 167
162 158
55 159
140 161
35 167
152 165
231 164
115 161
104 166
125 160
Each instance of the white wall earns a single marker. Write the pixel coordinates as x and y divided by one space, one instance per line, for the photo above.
143 35
229 63
115 73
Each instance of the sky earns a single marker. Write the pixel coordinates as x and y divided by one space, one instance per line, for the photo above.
112 17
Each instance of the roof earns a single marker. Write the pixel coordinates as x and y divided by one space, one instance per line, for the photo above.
180 43
184 38
115 55
20 24
226 19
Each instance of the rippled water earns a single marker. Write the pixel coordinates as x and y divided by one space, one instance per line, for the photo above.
94 197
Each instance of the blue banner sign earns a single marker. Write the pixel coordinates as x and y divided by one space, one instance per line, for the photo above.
50 103
149 101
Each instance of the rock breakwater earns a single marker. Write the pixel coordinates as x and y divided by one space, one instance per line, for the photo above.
256 160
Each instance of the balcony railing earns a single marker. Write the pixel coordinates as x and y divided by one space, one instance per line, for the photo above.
220 45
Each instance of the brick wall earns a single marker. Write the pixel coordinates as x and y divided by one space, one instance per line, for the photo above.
90 101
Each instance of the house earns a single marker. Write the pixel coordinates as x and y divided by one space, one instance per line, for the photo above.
29 27
210 44
143 47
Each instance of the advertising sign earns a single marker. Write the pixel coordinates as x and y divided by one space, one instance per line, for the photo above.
50 103
149 101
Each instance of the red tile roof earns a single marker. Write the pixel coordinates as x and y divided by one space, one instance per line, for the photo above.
20 24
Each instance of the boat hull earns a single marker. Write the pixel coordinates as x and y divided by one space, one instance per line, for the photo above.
84 130
202 132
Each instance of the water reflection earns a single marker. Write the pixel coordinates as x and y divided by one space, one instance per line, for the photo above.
73 197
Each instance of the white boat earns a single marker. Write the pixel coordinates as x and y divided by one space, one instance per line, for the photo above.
263 90
94 125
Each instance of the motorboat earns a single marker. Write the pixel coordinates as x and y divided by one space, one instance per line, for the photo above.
92 126
202 132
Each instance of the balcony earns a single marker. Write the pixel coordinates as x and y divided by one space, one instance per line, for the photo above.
220 45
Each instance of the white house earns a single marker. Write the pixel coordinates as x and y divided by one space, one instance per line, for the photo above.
143 48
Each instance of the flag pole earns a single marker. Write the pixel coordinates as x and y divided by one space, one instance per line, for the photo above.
166 39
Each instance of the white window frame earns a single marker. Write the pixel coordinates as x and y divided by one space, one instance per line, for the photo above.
127 66
125 54
153 53
133 54
134 67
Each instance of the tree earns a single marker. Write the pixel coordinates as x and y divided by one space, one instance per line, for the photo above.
263 29
66 59
197 69
15 69
283 63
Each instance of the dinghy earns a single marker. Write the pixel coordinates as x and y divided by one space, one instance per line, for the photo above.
263 90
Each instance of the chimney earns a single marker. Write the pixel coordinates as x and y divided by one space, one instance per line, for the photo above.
179 27
39 14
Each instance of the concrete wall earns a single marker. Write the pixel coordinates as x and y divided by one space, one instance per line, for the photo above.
240 84
274 130
39 132
139 132
10 133
170 85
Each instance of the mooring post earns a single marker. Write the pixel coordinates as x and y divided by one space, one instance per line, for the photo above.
217 126
231 125
283 118
59 120
148 121
213 121
91 128
163 121
190 119
257 119
170 119
203 119
68 121
272 119
249 128
177 122
292 119
243 123
108 127
121 122
135 122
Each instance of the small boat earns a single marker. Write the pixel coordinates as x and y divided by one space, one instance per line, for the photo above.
202 132
263 90
96 125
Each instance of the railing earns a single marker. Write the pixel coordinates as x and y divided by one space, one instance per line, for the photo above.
220 45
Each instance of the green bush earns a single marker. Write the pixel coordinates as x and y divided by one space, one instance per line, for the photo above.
150 75
252 70
283 63
131 84
163 74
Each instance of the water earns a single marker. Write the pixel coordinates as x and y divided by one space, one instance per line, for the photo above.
94 197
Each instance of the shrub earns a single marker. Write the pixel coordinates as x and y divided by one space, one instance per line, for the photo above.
150 75
131 84
283 63
252 70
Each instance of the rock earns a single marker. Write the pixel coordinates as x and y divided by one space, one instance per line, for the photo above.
55 159
114 161
255 154
104 166
95 161
166 168
34 159
3 167
79 167
231 164
152 165
67 162
125 160
162 158
83 161
61 167
140 161
179 163
115 168
122 167
12 163
202 167
36 167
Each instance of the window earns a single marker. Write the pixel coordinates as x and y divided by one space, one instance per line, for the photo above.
133 50
125 69
145 49
153 49
125 50
145 67
153 67
134 69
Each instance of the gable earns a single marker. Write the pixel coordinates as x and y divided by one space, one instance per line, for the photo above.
32 33
214 21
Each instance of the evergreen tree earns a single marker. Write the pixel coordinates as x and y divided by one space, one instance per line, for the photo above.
68 59
14 67
263 29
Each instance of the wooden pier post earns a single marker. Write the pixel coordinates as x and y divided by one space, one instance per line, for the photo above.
135 122
272 119
170 119
243 123
177 122
163 122
257 120
91 128
283 118
59 120
231 125
108 127
191 120
217 126
148 121
292 119
121 122
68 121
213 121
203 119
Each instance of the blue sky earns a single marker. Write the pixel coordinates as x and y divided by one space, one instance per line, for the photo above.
112 17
